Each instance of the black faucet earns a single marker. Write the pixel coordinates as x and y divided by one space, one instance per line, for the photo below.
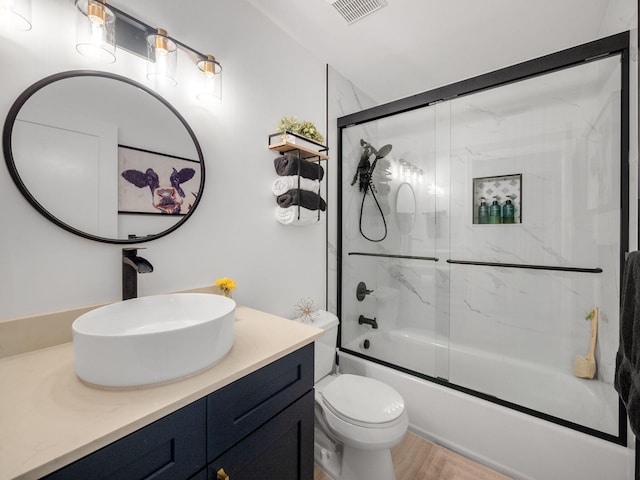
132 265
369 321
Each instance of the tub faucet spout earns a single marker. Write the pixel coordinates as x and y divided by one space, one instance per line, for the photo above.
132 265
369 321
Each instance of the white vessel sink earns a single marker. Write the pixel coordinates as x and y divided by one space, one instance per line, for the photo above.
152 339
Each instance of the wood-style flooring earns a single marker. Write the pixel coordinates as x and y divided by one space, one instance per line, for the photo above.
418 459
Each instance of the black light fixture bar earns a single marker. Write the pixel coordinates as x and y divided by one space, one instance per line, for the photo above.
131 35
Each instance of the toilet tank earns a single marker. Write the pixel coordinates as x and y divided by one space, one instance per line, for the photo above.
325 347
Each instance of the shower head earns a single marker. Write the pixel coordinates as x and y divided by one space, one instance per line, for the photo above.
384 151
368 150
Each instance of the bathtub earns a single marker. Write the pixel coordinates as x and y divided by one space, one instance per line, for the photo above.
518 445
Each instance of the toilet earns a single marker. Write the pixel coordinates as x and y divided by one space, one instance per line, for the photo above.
357 419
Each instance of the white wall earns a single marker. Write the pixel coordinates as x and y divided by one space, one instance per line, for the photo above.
233 233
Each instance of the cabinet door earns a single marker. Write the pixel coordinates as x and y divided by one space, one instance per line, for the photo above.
243 406
282 449
173 447
201 475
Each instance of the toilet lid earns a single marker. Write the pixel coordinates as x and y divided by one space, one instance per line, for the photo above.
363 400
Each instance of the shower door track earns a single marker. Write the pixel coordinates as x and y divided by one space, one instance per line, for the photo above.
524 265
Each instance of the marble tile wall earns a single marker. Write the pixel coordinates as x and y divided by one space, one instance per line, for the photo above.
344 98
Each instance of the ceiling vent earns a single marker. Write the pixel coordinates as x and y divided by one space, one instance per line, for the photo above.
354 10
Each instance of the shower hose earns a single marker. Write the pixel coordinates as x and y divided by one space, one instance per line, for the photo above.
375 199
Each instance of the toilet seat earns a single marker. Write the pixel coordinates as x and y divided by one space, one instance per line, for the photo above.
363 401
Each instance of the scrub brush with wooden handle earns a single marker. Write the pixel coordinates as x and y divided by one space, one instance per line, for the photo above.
585 367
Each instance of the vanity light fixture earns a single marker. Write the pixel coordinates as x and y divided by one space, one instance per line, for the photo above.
15 14
96 31
162 56
209 80
160 50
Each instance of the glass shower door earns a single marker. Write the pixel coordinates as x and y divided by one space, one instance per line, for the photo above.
549 145
389 236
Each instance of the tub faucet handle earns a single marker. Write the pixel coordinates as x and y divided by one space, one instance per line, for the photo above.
362 292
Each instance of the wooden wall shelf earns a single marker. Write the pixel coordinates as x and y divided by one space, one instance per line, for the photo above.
305 147
306 153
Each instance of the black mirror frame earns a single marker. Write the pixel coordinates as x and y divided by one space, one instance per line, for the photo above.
13 171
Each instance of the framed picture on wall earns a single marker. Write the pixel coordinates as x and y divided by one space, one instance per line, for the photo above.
155 183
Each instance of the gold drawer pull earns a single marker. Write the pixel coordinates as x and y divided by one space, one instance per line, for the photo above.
222 475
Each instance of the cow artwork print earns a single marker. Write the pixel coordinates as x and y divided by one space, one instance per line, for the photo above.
155 183
167 198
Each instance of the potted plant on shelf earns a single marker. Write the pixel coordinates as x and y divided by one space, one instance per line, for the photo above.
303 128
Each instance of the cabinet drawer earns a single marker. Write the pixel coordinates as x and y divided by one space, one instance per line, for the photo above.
240 408
280 449
171 448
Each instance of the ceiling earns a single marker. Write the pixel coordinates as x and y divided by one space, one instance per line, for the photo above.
411 46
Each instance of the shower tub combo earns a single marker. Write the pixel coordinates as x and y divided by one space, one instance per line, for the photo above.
480 223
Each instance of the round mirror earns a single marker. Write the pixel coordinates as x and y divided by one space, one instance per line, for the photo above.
405 208
103 157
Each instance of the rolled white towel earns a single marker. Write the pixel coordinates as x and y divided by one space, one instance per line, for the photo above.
289 215
283 184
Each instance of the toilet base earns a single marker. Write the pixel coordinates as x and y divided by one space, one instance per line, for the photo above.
327 454
360 464
342 462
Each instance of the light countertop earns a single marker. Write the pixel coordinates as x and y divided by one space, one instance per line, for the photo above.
49 418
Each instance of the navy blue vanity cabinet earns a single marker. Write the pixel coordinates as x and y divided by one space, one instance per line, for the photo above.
171 448
261 426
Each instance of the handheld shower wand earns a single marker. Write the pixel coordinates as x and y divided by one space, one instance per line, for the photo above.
364 174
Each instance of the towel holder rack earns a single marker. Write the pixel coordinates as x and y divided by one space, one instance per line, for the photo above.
304 149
